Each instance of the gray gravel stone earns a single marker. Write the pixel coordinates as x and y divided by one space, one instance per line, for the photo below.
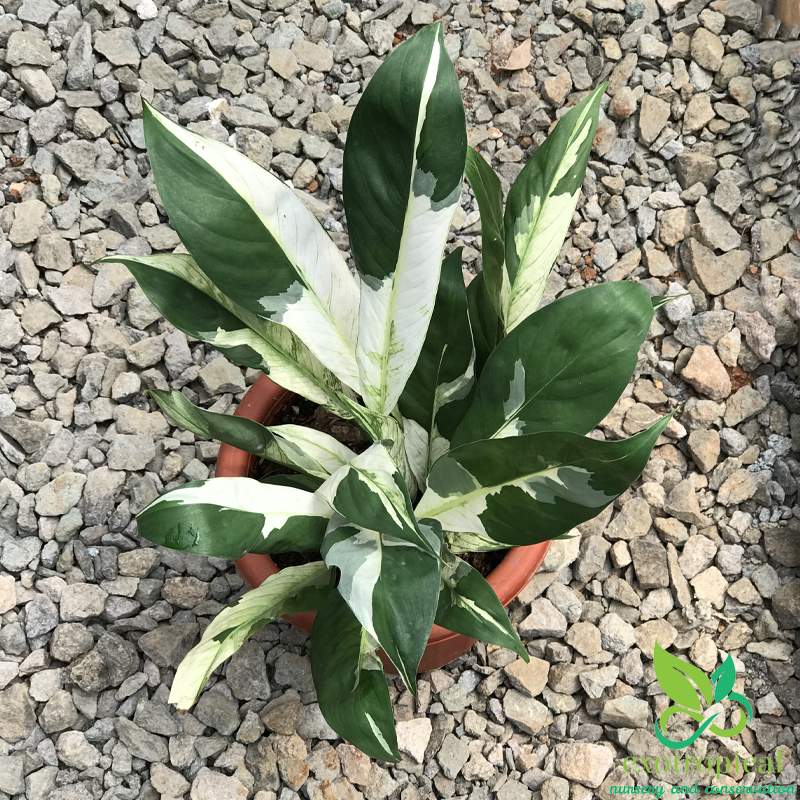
689 186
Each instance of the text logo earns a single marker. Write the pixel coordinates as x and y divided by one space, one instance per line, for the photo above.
678 679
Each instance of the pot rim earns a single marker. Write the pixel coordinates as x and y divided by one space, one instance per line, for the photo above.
261 402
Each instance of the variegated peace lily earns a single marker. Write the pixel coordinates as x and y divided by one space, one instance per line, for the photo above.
478 402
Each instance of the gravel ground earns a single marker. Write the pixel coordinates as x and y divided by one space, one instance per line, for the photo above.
693 187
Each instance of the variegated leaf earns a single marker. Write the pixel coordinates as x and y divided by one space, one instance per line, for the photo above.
462 542
350 682
256 240
189 300
469 605
539 208
305 449
229 517
293 589
370 492
386 429
439 391
534 487
563 368
391 585
403 168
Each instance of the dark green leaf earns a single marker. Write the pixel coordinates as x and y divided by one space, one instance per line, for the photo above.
350 682
439 391
562 368
486 187
308 483
391 585
530 488
487 327
469 605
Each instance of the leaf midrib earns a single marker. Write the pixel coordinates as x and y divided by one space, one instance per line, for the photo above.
399 264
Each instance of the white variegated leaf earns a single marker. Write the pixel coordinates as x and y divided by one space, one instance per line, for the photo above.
376 570
533 487
190 301
370 492
540 206
287 270
439 390
403 169
305 449
469 605
386 429
311 451
291 590
229 517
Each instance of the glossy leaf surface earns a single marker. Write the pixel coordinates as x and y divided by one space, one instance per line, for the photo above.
229 517
403 167
562 368
531 488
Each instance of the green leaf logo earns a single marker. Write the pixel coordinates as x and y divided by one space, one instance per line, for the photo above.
674 675
724 677
681 682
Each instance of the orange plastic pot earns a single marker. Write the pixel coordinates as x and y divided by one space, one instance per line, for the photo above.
261 403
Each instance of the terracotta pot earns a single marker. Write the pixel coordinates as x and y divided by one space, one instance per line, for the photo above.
788 12
262 402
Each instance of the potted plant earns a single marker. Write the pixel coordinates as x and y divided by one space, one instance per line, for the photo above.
477 404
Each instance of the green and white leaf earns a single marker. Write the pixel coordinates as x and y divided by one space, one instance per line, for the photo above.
439 391
391 585
192 303
488 192
229 517
486 324
540 205
469 605
351 685
403 169
564 367
463 542
386 429
370 492
531 488
293 589
256 240
658 302
304 449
